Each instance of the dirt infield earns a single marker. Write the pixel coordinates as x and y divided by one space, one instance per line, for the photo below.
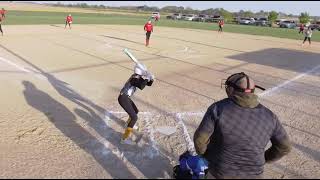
60 117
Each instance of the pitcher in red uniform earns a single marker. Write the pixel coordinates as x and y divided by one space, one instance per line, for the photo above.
149 28
68 21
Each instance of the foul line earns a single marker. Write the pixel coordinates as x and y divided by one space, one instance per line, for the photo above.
270 91
14 65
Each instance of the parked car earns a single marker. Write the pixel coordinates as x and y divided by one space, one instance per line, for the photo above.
277 22
246 21
200 18
288 24
262 22
213 19
183 17
315 27
155 14
190 17
176 16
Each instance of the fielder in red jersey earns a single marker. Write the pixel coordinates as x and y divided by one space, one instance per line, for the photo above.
68 21
3 13
221 23
149 28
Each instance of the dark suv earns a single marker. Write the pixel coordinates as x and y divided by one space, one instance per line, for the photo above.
262 22
315 27
288 24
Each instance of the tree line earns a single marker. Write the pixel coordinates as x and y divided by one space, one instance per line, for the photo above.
227 15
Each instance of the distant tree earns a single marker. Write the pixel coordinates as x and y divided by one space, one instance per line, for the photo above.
304 17
273 16
248 14
210 11
228 16
172 9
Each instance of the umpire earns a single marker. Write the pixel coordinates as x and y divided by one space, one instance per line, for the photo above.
235 131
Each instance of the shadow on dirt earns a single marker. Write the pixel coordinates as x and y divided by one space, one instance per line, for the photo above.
292 60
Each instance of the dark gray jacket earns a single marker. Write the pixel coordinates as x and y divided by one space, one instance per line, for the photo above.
233 136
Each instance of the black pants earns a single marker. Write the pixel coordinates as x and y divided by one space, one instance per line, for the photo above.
67 23
128 105
309 39
220 28
1 29
300 31
148 34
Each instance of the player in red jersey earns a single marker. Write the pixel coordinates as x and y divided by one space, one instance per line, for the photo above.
221 23
148 27
68 21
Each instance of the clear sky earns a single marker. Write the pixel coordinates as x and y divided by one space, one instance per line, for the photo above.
289 7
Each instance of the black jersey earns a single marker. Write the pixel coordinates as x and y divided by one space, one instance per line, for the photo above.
134 82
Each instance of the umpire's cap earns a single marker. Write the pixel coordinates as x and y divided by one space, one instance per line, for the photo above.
241 82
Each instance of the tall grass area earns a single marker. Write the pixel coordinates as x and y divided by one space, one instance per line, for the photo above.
33 18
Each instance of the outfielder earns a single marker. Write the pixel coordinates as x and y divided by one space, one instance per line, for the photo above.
149 28
221 23
68 21
139 79
3 13
307 35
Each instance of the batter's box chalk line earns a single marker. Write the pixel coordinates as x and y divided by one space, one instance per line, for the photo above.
179 117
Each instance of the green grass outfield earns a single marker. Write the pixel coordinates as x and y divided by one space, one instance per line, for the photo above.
32 18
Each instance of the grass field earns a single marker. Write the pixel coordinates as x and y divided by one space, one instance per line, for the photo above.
32 18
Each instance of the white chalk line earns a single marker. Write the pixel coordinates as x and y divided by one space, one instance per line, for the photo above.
190 145
14 65
116 152
150 131
184 50
270 91
178 117
26 70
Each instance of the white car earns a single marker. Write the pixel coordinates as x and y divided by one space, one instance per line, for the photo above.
155 14
247 21
190 17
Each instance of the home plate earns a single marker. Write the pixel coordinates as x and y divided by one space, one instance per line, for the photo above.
166 130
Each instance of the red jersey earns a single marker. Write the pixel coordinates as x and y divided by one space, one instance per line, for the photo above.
148 27
221 23
69 18
3 12
301 26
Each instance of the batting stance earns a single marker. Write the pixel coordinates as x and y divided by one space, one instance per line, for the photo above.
149 28
139 79
68 21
